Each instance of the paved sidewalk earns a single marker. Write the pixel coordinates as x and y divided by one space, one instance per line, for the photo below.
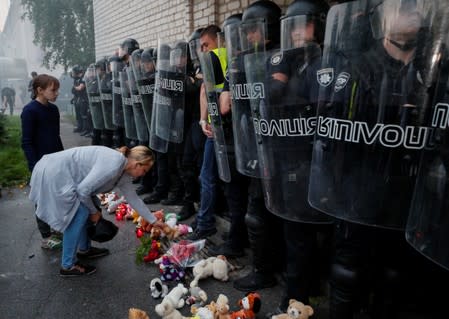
31 288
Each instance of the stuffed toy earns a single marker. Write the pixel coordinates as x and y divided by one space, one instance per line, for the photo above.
171 219
295 310
169 270
166 310
158 288
197 297
176 296
204 313
222 307
212 266
250 305
135 313
113 204
182 229
154 252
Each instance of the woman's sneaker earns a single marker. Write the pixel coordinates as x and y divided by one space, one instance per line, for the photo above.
77 270
51 243
93 252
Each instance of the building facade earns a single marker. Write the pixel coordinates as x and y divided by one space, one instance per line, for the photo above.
148 20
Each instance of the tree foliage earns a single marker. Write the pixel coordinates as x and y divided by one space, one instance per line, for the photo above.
63 29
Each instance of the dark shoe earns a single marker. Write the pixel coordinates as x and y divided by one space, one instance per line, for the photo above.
153 198
201 234
143 190
172 200
84 133
77 270
226 250
93 252
255 281
186 211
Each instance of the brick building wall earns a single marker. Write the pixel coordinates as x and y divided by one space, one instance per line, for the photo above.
148 20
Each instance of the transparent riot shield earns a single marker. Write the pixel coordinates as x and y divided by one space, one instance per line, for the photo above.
214 115
428 220
168 102
93 95
105 81
287 126
242 92
139 116
117 107
144 73
128 112
371 108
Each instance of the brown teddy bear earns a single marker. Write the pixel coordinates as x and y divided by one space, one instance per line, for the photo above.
295 310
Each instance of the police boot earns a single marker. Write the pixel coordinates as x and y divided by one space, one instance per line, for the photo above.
262 275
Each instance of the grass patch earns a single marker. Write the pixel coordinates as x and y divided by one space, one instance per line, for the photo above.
14 168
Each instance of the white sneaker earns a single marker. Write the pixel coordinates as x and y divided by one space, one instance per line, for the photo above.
51 243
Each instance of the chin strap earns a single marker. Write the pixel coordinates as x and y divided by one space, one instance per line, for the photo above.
407 46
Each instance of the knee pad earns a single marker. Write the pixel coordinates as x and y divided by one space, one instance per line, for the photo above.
254 221
344 278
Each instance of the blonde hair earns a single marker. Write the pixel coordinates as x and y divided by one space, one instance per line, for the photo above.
141 154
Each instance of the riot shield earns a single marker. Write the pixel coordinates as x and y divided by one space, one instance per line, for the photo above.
287 126
93 95
214 115
242 92
371 108
167 123
117 107
139 116
144 74
106 99
428 223
128 112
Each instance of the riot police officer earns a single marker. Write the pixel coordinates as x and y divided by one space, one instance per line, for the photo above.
80 101
105 84
127 47
375 90
292 92
259 17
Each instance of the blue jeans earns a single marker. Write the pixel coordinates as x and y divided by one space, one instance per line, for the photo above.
75 236
209 176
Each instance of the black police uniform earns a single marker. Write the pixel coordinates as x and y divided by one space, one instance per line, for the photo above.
306 243
369 259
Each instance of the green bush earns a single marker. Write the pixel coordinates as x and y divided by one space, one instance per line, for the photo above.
13 165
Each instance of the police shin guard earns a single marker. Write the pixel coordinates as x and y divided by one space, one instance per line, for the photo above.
344 283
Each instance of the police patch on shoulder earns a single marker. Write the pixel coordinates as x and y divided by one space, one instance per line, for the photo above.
342 80
325 76
276 58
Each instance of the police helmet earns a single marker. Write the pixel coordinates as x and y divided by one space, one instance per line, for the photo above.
129 45
303 12
147 55
234 18
194 46
102 64
77 69
267 11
